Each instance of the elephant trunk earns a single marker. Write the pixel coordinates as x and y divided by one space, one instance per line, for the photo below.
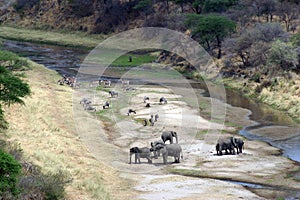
176 138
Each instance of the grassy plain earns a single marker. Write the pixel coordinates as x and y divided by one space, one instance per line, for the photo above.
45 130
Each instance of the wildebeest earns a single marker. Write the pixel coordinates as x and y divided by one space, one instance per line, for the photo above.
130 111
106 105
146 99
105 82
113 94
163 100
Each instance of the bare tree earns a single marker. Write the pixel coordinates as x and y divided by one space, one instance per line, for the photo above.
288 13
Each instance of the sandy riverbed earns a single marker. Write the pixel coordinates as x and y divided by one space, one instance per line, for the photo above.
259 163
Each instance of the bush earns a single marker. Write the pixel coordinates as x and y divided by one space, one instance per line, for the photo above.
12 61
10 170
31 183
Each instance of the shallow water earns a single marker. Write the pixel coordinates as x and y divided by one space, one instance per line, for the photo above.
68 60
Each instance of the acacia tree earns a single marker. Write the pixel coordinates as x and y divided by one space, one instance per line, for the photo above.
210 29
12 87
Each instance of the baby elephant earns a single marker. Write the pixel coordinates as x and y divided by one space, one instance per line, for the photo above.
143 152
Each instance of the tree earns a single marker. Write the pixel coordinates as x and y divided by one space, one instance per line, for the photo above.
251 46
283 55
211 29
10 169
288 13
218 5
12 88
144 6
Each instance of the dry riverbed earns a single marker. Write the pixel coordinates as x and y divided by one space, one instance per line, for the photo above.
259 172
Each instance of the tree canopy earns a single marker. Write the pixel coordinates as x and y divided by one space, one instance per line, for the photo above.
211 29
12 87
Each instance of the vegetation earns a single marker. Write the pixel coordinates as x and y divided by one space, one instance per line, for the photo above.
10 169
13 88
211 29
73 39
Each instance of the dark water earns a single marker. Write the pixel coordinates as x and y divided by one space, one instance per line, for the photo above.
68 60
62 60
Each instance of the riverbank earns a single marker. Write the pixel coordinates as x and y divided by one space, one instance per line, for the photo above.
45 130
284 95
213 173
67 39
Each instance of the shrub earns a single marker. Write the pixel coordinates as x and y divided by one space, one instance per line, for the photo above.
10 170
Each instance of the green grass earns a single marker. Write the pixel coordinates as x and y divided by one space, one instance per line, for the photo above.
137 59
73 39
188 172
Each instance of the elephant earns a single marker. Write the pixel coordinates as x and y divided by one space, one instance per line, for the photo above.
154 145
143 152
239 145
225 144
113 94
163 100
168 135
170 150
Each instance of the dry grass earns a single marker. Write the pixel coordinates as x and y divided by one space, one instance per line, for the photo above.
45 129
75 39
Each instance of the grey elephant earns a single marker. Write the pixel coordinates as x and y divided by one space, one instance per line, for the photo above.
239 145
173 150
139 153
225 144
168 135
153 147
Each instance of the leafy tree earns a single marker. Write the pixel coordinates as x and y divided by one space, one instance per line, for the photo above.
283 55
218 5
211 29
295 39
197 6
10 169
251 46
144 6
12 88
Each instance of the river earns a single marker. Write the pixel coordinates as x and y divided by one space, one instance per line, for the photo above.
272 126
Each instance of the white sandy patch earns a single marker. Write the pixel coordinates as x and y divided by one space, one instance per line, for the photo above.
174 187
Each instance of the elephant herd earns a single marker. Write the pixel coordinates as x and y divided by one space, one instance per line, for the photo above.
159 148
229 144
